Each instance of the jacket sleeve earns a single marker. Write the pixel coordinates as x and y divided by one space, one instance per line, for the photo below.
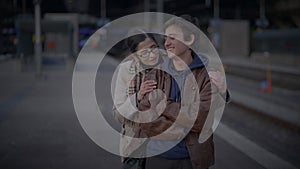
124 105
164 128
194 113
206 92
200 112
197 115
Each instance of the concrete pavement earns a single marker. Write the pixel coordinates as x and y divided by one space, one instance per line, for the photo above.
39 127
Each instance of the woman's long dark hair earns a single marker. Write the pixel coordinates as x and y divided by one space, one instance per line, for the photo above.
139 35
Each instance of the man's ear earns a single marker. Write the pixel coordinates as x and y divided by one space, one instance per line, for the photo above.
191 40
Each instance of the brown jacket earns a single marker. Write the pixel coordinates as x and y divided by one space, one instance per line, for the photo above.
131 138
193 112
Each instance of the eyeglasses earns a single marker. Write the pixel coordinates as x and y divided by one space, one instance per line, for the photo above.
146 52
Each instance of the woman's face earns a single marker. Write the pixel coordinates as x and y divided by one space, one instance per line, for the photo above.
148 52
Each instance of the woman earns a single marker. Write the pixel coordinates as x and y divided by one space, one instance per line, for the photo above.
136 78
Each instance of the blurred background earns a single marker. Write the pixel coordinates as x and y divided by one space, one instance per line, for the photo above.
257 41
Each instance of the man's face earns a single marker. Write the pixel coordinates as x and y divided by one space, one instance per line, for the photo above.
174 42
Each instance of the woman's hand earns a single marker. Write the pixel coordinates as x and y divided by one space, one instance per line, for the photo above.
147 86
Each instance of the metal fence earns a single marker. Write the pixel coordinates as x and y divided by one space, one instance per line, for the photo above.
277 41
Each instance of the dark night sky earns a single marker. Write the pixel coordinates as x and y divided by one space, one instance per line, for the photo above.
229 9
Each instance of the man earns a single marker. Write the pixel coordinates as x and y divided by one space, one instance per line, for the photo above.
189 103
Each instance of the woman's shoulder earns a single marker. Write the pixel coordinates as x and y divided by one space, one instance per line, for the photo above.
126 64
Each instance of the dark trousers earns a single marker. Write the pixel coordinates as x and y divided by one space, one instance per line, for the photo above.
164 163
134 163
